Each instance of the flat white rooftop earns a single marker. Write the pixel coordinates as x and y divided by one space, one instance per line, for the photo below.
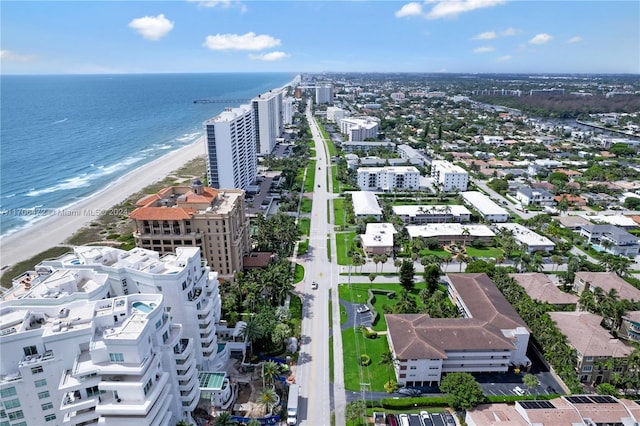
424 209
445 229
483 204
526 236
365 203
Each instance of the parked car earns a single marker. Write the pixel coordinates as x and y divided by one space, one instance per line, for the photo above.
518 391
314 285
448 418
403 420
392 420
409 392
426 418
362 309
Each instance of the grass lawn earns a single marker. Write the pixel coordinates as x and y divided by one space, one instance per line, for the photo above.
306 205
309 182
485 252
303 247
295 309
337 186
331 359
329 249
359 293
345 243
304 223
438 252
338 212
299 274
374 374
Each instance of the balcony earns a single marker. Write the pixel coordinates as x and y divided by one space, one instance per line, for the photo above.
36 359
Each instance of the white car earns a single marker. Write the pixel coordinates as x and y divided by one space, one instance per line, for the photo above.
314 285
518 391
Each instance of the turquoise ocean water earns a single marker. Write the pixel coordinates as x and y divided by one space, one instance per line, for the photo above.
65 137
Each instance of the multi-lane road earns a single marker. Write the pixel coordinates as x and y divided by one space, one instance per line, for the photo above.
312 371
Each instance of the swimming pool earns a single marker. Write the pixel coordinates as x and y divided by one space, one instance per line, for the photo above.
143 307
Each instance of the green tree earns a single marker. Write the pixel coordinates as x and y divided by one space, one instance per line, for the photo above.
407 273
606 389
267 398
254 422
386 358
530 381
463 391
224 419
270 371
252 331
432 276
356 411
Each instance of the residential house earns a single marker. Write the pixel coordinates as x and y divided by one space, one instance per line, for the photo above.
630 326
611 239
599 354
541 289
536 197
607 281
378 239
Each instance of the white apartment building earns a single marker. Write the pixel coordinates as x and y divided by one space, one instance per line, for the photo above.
490 337
288 111
388 178
267 109
449 176
419 214
324 94
366 204
232 160
493 140
107 336
359 128
525 237
335 114
411 155
487 208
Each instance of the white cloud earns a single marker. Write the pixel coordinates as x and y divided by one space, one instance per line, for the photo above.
484 49
152 27
8 55
575 39
541 38
452 8
271 56
485 36
503 58
409 9
508 32
248 41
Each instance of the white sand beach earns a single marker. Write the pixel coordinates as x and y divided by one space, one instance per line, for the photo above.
55 228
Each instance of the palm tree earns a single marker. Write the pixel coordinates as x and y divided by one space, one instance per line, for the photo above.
387 358
251 331
397 263
465 233
224 419
462 258
267 398
254 422
383 260
270 371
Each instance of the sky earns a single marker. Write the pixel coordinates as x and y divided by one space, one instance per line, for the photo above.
455 36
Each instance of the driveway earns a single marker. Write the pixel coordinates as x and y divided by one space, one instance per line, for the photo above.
354 319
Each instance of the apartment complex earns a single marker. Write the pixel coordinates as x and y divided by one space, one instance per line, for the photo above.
359 128
268 111
288 110
335 114
489 210
420 214
195 216
105 336
448 176
388 178
490 337
232 160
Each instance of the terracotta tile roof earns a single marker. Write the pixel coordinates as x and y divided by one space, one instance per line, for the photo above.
610 281
257 259
485 302
584 333
417 336
496 415
146 200
161 213
539 287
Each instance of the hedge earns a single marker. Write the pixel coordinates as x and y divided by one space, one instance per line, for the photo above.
365 360
402 403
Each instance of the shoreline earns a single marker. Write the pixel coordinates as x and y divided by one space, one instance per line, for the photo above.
57 227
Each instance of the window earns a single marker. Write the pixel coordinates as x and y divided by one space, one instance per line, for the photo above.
16 415
587 368
36 370
20 424
12 403
30 350
8 392
43 395
147 387
159 324
41 383
47 406
413 367
49 417
116 357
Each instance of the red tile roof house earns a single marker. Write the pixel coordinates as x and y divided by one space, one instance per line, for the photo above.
490 337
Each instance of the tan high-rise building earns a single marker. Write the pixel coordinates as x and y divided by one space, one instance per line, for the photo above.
195 216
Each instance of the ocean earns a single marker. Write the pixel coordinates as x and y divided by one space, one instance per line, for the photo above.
64 137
